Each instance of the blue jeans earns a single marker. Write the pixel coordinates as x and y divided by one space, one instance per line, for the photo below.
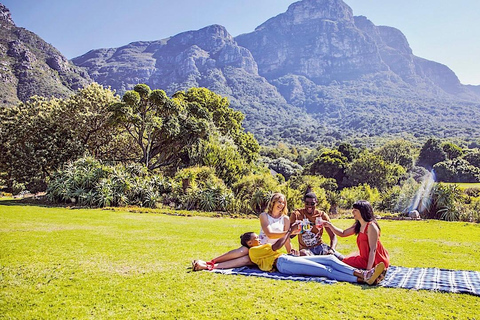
318 266
323 248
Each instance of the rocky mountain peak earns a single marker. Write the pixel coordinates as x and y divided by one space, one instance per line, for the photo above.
5 17
209 38
316 39
30 66
306 11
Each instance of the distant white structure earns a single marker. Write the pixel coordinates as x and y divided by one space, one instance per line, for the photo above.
414 214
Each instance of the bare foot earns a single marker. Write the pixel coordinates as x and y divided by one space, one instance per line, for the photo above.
198 265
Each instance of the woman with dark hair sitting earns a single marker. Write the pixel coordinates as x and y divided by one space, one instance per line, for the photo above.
367 230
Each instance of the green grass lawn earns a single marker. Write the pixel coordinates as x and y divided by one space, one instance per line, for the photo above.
464 185
59 263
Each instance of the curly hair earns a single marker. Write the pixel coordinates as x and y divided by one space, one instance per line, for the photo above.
244 238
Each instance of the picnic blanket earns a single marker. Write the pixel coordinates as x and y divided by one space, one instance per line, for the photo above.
455 281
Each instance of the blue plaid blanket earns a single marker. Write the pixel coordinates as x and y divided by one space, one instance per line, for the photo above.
456 281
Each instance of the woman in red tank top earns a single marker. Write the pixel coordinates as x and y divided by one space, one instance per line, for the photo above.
367 230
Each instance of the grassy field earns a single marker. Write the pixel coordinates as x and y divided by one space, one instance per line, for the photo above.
465 185
59 263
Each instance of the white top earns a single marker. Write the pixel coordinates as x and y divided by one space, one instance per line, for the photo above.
276 224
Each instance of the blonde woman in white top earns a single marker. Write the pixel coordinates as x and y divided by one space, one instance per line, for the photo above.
274 225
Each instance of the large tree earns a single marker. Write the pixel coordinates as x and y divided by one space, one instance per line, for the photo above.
398 151
330 164
431 153
40 135
32 144
171 132
374 171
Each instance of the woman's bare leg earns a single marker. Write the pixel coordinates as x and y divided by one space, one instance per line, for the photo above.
233 263
232 254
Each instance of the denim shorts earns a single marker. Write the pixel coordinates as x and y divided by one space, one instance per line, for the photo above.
323 249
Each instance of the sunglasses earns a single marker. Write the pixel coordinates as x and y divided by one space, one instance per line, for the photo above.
308 203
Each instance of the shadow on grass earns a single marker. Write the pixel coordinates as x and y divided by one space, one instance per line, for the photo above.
39 202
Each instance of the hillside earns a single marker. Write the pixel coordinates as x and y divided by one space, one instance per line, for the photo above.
30 66
313 74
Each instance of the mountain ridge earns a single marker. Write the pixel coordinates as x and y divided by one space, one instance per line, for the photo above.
313 74
30 66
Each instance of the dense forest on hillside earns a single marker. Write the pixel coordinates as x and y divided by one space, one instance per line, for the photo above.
191 151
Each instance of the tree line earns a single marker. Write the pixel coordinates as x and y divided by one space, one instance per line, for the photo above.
191 151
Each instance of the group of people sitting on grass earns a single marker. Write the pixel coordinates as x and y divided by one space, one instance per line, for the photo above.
314 257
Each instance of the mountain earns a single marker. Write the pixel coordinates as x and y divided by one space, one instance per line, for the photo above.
209 58
359 79
313 74
322 41
30 66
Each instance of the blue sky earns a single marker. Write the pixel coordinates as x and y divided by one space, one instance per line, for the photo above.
443 31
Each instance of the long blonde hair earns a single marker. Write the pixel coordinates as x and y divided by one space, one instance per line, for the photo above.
273 199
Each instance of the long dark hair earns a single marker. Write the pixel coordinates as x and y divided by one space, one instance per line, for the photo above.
366 211
244 238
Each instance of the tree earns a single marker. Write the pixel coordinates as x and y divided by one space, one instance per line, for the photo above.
86 114
160 127
330 164
398 151
347 150
374 171
226 120
285 167
431 153
473 157
452 150
33 143
222 154
40 135
169 132
457 170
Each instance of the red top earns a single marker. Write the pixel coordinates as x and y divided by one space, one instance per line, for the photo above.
360 261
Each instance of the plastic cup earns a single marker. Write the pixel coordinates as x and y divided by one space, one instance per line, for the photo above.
318 222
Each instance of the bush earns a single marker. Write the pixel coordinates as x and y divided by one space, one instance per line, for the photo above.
284 167
254 191
472 192
401 199
445 199
457 170
198 188
469 212
88 182
349 196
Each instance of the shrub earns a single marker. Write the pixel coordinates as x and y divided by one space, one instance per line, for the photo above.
200 189
472 192
284 167
349 196
444 202
457 170
402 198
88 182
254 191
